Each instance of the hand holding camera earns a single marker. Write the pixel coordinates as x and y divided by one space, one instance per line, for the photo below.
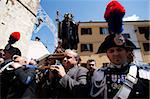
59 69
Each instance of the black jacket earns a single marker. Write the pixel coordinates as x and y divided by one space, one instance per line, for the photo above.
110 79
18 83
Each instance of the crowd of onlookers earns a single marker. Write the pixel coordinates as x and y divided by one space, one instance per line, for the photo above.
66 78
122 78
21 78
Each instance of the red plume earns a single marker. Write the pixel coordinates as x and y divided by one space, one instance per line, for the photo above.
113 15
15 36
113 6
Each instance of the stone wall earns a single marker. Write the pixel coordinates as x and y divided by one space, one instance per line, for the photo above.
17 15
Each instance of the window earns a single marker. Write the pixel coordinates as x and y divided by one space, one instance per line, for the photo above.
126 35
104 30
86 47
145 31
86 31
146 46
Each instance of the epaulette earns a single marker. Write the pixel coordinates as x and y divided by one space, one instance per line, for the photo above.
102 68
98 74
144 70
142 65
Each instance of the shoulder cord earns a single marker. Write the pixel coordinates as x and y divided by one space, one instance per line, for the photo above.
3 68
126 88
101 87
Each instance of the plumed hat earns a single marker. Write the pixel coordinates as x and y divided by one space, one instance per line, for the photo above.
114 40
15 36
113 15
12 50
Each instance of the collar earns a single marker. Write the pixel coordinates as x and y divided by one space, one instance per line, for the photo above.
112 65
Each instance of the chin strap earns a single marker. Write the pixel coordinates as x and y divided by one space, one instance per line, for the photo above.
126 88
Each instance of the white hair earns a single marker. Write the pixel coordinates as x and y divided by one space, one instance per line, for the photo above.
72 52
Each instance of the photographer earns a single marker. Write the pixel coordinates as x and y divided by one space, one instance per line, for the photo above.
72 76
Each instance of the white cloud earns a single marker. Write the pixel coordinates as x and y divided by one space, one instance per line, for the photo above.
131 18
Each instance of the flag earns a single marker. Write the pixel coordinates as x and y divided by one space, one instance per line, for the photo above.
44 20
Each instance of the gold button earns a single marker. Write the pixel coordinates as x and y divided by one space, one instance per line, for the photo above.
137 92
108 82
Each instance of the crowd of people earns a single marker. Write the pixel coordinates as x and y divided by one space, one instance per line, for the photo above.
122 78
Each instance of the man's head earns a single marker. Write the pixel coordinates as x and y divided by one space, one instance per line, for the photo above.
10 51
118 55
91 64
20 59
117 48
37 39
70 59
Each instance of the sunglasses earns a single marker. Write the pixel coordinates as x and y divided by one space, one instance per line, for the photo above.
91 64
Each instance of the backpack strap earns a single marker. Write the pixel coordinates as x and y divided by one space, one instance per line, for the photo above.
126 88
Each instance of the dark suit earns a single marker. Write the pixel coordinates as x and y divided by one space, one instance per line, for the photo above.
72 85
18 83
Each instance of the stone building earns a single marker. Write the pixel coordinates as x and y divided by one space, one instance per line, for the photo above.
92 34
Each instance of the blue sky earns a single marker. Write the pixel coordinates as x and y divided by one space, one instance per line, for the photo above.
86 10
